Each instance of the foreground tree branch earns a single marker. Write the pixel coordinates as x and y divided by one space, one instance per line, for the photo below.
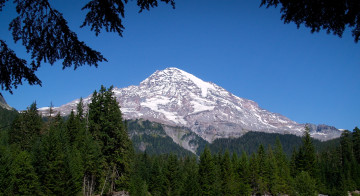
330 15
47 37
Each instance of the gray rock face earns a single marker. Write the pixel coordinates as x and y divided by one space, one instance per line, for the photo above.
3 103
176 98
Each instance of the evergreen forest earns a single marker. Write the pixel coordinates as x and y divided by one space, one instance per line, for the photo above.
91 153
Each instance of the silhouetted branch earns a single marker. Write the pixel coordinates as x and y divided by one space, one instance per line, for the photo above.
2 3
331 15
105 13
146 4
47 37
14 69
45 34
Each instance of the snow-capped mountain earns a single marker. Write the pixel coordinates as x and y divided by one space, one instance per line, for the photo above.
177 98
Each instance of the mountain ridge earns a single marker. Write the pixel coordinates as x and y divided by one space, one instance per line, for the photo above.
3 103
177 98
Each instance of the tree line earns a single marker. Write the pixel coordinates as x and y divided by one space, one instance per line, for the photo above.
87 153
91 153
268 171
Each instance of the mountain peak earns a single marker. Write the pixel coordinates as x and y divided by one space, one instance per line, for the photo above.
177 98
173 75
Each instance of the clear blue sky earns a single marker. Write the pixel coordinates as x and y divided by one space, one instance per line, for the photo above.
243 48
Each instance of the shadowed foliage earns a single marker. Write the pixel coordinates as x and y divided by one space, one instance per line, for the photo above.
47 37
90 153
330 15
13 69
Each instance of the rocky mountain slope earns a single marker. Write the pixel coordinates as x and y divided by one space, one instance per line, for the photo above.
176 98
3 103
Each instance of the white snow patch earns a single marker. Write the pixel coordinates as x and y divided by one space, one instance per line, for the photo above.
153 104
198 107
262 121
155 101
204 86
127 110
282 121
317 133
47 108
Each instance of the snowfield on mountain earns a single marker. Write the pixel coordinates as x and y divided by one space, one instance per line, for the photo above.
176 98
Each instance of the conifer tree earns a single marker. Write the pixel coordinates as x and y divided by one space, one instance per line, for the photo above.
304 185
173 176
306 158
157 181
72 127
23 179
235 163
330 173
191 181
243 172
57 164
144 167
107 127
5 164
227 175
92 163
293 163
207 173
88 149
356 146
309 153
283 168
349 164
139 185
262 182
80 110
272 173
254 173
26 128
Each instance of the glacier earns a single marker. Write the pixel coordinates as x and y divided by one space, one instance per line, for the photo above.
176 98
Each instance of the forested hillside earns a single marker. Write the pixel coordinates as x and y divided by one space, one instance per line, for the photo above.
88 153
91 153
251 141
6 117
151 137
266 171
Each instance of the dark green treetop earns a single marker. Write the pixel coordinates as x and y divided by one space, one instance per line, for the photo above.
108 129
26 127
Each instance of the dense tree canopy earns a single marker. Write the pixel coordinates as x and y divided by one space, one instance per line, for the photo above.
90 153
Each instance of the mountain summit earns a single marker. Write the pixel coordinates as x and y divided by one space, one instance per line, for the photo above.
176 98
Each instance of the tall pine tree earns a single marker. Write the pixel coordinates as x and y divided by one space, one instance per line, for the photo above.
191 181
356 141
107 127
227 175
26 128
23 179
283 168
243 175
306 158
207 174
